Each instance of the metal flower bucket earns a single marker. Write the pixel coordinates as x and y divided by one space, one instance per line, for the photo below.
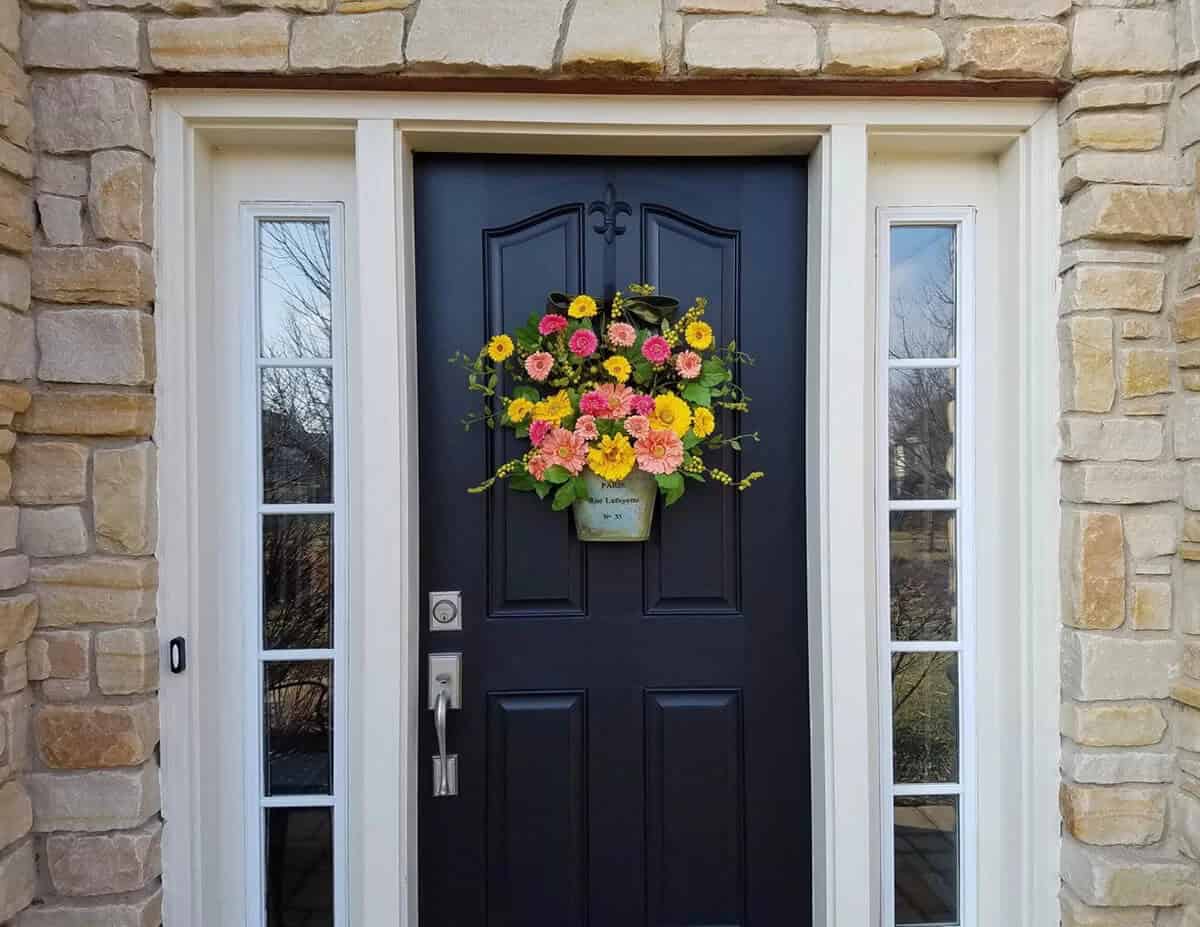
621 511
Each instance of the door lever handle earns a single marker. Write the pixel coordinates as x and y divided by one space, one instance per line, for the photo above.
441 762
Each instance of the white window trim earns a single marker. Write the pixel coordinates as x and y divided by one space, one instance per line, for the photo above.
963 222
387 129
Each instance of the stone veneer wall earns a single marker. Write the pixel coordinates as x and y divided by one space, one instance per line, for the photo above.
82 352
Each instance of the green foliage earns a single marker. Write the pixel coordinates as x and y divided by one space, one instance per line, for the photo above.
671 486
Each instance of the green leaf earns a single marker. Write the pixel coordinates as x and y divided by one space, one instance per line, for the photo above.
564 496
671 485
581 489
698 477
542 488
521 482
697 394
690 440
526 392
556 475
735 444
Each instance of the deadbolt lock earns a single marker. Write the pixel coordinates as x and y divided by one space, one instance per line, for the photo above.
445 611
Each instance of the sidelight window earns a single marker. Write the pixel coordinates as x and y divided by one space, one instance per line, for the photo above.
924 534
297 629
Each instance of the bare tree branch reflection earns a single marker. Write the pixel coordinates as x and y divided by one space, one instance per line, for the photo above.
297 712
297 263
297 581
923 296
921 433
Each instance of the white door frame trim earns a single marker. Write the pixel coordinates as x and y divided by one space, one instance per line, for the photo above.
384 130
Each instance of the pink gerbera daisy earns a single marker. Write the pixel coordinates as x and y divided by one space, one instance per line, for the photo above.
538 431
593 403
552 323
617 399
536 465
659 452
566 449
538 365
638 426
656 350
583 343
585 427
642 405
622 334
688 364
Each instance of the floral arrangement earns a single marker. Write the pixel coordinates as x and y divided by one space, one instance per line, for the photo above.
613 388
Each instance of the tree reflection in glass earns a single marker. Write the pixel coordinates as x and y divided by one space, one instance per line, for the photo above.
297 581
297 715
297 434
921 433
923 576
295 288
925 717
923 284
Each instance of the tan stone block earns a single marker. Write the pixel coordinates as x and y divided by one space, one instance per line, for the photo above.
143 909
49 472
1077 914
1187 319
53 532
1145 372
1095 550
96 800
10 26
16 214
1007 9
59 691
863 49
250 42
1122 42
174 7
127 661
746 7
1125 877
1090 287
1110 439
14 398
1115 131
1033 50
10 517
5 480
1187 429
1151 534
1109 94
13 570
66 654
1096 668
124 493
88 41
896 7
61 219
370 6
301 6
1138 329
93 413
614 37
1150 606
1130 213
1088 374
122 275
16 813
18 877
518 35
751 46
16 118
1112 816
13 79
99 590
14 282
87 112
100 346
96 736
370 41
18 617
8 440
121 196
104 864
1092 767
15 160
14 675
63 176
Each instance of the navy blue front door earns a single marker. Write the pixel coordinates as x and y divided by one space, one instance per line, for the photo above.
634 738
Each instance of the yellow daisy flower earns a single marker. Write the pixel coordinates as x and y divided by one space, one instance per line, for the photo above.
500 348
582 307
702 422
699 335
670 414
519 409
618 368
554 408
612 458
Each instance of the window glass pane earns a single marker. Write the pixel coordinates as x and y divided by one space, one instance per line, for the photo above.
297 581
921 434
925 717
297 434
299 867
926 834
295 287
923 576
299 736
923 291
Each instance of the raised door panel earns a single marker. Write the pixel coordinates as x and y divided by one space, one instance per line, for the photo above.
537 566
686 257
536 809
